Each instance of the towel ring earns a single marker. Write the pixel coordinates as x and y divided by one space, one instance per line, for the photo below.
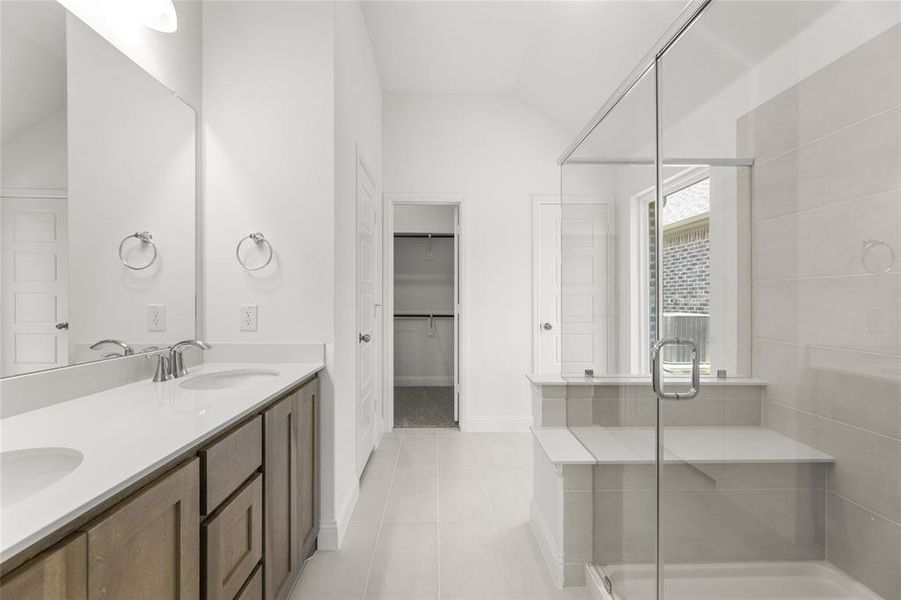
145 237
869 245
258 239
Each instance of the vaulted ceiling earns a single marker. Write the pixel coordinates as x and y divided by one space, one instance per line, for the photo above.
562 58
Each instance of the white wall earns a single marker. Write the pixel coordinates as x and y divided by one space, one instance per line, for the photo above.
357 128
37 157
424 218
496 153
267 129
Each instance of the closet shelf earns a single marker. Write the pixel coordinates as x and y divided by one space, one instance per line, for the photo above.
423 315
424 235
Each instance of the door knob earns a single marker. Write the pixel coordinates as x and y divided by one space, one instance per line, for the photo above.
547 326
63 325
365 337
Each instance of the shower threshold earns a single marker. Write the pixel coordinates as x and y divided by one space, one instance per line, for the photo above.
789 580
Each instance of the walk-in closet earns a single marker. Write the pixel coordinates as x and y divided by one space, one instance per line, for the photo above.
426 326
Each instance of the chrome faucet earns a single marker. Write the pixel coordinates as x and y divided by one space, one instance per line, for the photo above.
126 348
176 361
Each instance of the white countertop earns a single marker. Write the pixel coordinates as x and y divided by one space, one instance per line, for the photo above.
124 434
698 445
621 380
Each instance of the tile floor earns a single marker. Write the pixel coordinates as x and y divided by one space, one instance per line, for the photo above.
441 514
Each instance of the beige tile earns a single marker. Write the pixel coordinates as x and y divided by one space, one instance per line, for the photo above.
504 450
578 409
374 487
462 497
417 453
866 546
705 409
451 432
857 161
529 576
867 470
472 563
742 406
413 496
790 381
405 564
417 432
806 428
872 403
578 477
509 494
456 453
553 412
340 573
385 456
578 526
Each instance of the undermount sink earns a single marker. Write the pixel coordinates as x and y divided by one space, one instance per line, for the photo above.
227 379
23 473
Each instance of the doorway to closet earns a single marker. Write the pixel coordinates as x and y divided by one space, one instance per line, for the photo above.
426 309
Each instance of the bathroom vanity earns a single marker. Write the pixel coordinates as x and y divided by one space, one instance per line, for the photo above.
201 487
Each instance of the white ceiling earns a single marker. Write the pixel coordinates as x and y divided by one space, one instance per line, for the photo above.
562 58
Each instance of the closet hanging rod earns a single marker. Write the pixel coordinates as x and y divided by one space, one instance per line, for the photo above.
424 235
423 316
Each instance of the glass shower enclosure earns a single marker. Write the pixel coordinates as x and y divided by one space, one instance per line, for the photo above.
730 222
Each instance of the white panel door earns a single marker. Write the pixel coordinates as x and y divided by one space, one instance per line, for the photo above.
34 284
574 275
367 219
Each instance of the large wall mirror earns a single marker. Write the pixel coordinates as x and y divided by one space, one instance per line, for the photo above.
97 174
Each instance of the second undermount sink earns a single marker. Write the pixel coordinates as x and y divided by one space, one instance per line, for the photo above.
23 473
228 379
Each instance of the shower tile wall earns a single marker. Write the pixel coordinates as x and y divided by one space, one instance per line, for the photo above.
827 317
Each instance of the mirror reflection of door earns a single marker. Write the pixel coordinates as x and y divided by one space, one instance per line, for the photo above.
34 282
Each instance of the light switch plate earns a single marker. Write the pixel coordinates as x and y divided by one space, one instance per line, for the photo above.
156 317
249 317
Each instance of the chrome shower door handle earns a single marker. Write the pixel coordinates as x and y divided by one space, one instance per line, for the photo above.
657 370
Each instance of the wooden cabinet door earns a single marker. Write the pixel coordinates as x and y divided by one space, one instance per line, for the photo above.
307 469
233 542
59 574
280 480
148 548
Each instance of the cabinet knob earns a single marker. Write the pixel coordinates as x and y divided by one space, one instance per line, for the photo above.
547 326
365 337
63 325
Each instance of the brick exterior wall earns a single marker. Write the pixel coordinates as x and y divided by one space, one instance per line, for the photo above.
686 270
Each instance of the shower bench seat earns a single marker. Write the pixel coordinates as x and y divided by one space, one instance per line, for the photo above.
575 468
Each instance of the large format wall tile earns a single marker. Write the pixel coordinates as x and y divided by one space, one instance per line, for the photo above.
866 545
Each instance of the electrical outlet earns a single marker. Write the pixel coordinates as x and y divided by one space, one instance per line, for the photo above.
248 317
156 317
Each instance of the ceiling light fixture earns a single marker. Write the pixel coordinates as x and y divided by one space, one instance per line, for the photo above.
157 14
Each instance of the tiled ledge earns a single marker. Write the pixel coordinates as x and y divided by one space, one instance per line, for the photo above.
694 445
637 380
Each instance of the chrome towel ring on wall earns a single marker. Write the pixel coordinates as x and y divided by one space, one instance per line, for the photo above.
146 239
258 239
870 248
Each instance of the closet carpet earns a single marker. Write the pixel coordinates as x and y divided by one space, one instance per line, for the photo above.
424 407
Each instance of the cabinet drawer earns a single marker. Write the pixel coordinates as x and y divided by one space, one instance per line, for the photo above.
254 588
233 542
226 464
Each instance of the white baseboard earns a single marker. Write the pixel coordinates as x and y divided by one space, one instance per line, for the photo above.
490 423
423 381
331 533
552 556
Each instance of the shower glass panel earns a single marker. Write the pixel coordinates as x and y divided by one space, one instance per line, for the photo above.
784 489
773 134
607 233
